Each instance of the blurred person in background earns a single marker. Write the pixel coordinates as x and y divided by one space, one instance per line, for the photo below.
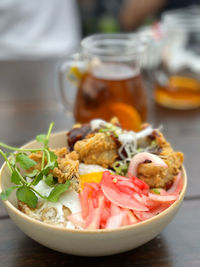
33 36
134 13
124 15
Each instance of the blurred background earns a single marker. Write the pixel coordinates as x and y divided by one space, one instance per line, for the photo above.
35 36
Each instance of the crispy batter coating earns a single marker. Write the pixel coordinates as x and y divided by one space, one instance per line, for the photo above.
67 169
156 176
97 148
37 157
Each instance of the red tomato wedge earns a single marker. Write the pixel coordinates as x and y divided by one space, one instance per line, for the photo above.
121 199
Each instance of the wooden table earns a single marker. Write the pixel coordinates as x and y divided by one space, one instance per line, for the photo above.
177 245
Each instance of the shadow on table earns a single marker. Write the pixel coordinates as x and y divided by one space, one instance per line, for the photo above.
154 253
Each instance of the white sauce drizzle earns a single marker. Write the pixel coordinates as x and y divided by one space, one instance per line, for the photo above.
98 123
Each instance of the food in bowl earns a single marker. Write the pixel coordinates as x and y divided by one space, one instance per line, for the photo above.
104 178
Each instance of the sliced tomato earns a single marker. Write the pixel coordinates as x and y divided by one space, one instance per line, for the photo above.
121 199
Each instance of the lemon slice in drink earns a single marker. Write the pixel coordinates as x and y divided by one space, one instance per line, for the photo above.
128 116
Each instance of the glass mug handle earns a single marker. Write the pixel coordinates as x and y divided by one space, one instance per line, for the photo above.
69 74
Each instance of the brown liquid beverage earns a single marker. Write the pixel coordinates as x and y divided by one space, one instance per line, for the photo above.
111 90
180 93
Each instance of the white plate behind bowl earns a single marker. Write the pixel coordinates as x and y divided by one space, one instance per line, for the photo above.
85 242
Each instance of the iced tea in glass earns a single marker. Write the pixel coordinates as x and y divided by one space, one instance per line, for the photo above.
111 83
177 82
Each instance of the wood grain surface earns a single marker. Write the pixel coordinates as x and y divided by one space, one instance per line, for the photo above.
177 245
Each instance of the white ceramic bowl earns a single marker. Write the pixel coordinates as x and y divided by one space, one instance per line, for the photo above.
86 242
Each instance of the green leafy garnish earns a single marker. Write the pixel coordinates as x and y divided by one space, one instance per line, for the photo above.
50 180
57 191
42 138
37 178
111 128
24 161
120 167
26 180
15 177
26 195
33 173
4 195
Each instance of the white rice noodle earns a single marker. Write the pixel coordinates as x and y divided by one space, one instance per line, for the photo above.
147 131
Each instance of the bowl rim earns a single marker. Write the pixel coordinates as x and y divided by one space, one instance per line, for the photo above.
10 206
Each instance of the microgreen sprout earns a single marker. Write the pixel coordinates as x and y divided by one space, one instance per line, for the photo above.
21 166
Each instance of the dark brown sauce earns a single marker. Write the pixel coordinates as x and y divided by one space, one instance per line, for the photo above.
77 134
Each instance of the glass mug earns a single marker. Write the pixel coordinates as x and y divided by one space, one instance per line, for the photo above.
106 77
177 76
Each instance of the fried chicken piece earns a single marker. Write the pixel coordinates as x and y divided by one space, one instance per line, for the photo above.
157 176
67 169
97 148
37 157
